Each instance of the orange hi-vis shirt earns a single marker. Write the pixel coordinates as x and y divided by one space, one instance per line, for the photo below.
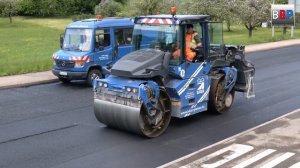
189 54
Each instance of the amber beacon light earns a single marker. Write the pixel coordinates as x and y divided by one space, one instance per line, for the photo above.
99 17
173 10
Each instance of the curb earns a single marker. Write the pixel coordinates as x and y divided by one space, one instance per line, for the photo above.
29 84
29 79
272 45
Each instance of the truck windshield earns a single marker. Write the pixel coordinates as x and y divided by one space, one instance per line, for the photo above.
77 39
162 37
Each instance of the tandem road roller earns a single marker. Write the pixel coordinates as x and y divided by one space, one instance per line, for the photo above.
155 82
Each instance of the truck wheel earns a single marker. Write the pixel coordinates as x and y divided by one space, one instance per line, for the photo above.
64 80
93 74
219 102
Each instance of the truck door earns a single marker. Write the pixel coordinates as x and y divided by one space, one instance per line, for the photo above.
123 42
102 47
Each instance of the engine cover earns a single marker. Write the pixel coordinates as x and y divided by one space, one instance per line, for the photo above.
144 63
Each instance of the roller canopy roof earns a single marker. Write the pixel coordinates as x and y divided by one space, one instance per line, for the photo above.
168 19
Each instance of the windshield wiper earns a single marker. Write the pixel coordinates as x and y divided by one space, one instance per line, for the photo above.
71 49
77 49
66 48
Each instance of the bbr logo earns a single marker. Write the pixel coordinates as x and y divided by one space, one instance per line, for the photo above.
282 14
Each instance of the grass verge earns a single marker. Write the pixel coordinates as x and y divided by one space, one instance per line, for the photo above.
27 44
239 35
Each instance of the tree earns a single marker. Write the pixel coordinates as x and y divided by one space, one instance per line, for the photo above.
9 8
252 12
108 8
57 7
219 10
148 7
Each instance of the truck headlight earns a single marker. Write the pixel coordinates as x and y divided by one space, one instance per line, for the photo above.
135 90
102 84
131 89
128 89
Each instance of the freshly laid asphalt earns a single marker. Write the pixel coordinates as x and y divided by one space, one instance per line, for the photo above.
53 125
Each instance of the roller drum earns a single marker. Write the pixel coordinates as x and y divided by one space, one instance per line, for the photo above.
118 116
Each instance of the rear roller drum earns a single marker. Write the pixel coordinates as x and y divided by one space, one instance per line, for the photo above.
219 101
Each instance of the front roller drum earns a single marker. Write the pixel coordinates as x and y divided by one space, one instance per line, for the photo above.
133 119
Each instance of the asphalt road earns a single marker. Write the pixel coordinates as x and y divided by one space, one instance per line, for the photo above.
53 125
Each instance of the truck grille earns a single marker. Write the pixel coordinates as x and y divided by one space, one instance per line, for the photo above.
65 63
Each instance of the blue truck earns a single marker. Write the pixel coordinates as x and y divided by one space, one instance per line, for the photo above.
148 86
89 45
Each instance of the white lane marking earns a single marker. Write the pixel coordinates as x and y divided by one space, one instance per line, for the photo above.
185 86
230 138
278 160
236 150
255 158
297 165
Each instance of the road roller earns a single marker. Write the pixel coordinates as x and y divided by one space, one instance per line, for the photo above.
157 81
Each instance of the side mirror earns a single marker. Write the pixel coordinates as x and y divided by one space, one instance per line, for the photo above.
61 40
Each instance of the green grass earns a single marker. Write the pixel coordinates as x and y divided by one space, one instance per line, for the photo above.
27 44
239 35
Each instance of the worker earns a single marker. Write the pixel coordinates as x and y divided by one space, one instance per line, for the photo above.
176 51
192 41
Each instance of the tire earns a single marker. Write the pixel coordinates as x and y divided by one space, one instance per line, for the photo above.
219 102
64 80
93 74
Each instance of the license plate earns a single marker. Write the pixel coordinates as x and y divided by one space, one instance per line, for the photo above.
63 73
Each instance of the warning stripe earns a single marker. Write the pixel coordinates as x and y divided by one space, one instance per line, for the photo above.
156 21
78 58
55 57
